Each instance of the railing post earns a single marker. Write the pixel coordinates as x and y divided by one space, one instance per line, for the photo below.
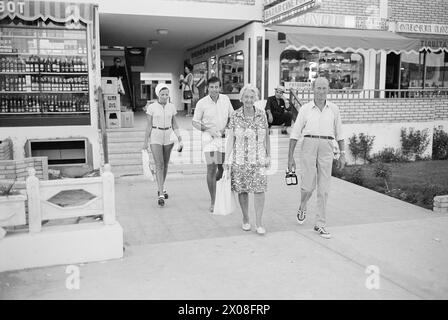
108 195
34 209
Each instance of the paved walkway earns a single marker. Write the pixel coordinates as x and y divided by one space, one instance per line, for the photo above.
183 252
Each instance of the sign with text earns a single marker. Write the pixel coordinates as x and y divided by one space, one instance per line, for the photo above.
298 86
421 28
338 21
56 11
287 9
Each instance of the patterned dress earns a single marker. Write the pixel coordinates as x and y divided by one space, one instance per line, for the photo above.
248 171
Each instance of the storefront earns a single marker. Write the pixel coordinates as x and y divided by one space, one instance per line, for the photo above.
428 67
49 71
236 58
348 58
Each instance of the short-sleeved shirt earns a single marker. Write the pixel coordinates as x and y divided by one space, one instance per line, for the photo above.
215 115
312 121
162 117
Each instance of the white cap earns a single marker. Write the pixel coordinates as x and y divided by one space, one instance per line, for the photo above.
161 86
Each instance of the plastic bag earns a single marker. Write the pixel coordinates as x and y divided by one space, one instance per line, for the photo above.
147 172
225 199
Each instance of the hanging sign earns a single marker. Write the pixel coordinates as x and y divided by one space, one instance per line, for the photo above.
278 12
55 11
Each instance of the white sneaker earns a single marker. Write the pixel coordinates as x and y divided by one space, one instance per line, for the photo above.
261 230
246 226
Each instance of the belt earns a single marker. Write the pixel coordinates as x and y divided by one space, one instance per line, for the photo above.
319 137
167 128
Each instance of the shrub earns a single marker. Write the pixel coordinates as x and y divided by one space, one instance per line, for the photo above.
384 172
440 145
414 143
360 146
7 190
356 176
388 155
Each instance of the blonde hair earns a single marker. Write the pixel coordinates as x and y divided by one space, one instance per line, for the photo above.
250 87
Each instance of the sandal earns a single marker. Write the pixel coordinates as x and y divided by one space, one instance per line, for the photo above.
161 201
165 194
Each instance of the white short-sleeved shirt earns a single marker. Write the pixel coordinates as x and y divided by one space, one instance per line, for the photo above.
162 117
215 115
312 121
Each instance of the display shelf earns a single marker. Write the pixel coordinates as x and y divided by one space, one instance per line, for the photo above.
58 112
46 73
44 54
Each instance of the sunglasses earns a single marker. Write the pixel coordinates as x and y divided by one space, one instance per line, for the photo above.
279 91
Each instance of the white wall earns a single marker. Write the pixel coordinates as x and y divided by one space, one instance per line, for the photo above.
386 134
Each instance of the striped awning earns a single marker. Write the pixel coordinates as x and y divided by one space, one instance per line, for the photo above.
55 11
345 40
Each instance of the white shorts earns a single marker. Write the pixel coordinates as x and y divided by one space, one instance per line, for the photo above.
210 144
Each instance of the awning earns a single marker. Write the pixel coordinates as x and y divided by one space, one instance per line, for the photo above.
430 42
345 40
55 11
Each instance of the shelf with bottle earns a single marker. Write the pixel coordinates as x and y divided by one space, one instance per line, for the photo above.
35 63
30 104
36 83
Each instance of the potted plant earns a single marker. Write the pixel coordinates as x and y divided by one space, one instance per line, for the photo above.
12 206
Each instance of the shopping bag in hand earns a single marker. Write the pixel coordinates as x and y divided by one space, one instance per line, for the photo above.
147 172
224 202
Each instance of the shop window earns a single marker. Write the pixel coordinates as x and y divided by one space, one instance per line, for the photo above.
436 73
298 69
411 70
231 70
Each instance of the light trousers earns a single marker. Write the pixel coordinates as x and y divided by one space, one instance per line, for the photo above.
316 161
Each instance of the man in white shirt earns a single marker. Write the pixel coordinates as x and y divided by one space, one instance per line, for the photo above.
319 124
211 116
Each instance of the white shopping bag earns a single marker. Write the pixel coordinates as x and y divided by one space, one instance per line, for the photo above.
147 172
225 200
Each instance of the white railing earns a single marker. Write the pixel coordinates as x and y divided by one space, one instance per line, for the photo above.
101 202
358 94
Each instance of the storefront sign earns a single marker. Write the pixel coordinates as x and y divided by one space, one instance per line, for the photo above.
12 7
287 9
298 85
434 44
55 11
421 28
338 21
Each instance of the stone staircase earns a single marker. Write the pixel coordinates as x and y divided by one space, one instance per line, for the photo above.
125 152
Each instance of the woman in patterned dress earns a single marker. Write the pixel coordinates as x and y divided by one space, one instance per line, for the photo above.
248 138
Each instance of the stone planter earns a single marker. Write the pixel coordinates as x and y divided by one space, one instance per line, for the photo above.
12 210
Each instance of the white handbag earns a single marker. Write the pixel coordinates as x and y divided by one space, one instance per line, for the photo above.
225 199
147 172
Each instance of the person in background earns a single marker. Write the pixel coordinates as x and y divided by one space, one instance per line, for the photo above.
117 70
248 138
211 116
319 124
199 89
161 123
276 110
187 86
201 85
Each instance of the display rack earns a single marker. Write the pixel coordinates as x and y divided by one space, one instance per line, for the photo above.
43 74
